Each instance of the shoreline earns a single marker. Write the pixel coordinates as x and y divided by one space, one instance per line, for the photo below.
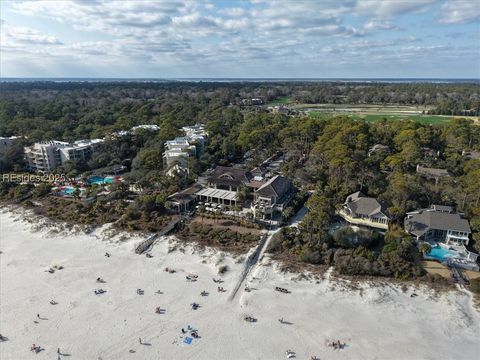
108 326
294 268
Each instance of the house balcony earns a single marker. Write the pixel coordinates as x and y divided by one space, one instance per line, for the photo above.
362 221
456 239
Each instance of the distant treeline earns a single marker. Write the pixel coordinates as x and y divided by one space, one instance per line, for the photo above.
461 98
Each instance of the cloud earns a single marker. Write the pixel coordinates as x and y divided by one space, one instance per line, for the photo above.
19 36
195 20
391 8
235 11
380 25
138 35
107 16
460 12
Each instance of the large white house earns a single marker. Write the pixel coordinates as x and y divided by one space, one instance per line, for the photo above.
361 210
438 223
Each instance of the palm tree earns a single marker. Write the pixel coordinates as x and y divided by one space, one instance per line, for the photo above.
425 248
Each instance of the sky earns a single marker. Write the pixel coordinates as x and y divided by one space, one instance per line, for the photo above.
240 39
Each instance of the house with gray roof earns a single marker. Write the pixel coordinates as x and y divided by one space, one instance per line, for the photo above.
432 173
223 184
438 224
229 178
361 210
183 201
273 195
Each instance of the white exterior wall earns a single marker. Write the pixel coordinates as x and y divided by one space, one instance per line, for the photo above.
47 156
175 155
43 156
457 237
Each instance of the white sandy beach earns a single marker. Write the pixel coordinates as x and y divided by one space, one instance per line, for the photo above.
376 322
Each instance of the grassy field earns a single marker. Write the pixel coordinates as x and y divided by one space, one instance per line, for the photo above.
422 119
279 101
371 112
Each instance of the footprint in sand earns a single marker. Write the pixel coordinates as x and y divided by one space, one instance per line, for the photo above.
72 305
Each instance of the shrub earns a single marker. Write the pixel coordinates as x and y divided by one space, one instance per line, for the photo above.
223 269
475 285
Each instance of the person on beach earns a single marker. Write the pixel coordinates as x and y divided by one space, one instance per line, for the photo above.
38 316
140 341
58 351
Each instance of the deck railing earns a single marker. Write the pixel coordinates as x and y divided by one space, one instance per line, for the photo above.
362 221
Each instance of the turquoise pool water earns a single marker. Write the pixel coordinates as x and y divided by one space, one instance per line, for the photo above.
68 190
100 180
441 254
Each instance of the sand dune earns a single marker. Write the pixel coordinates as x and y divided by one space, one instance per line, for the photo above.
376 322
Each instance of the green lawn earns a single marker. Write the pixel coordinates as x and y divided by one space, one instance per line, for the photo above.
320 115
422 119
279 101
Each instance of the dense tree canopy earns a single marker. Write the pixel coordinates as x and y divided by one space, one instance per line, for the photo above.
331 157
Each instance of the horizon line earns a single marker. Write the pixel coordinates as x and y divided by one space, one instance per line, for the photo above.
224 77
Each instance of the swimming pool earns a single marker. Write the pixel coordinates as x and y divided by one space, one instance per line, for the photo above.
100 180
441 254
69 190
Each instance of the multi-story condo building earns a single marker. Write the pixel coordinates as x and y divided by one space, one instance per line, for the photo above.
48 155
180 149
197 135
145 127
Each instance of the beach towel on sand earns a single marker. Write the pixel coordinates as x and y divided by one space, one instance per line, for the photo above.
188 340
